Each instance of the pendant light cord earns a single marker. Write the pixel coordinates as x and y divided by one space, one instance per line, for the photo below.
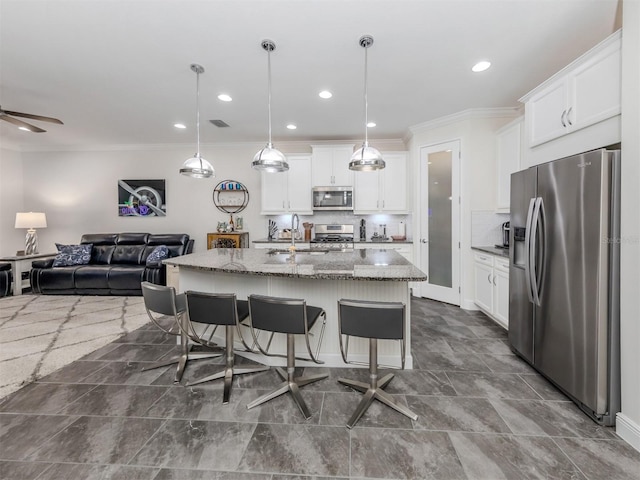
198 114
269 87
366 102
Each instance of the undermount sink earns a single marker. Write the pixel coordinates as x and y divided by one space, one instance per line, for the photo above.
297 252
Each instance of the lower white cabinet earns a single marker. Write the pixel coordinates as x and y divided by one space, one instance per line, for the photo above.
491 275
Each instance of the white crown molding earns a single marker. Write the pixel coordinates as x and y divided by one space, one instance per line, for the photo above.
471 113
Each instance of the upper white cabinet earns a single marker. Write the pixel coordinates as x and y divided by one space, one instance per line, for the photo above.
289 191
509 154
584 93
330 165
383 190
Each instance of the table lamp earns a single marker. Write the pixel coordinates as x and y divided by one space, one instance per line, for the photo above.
31 221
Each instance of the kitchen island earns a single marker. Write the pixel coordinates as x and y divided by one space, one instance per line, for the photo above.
320 277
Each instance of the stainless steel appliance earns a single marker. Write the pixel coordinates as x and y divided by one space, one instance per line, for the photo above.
564 276
505 235
333 237
332 198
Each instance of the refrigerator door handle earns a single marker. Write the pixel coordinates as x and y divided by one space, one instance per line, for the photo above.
527 250
537 223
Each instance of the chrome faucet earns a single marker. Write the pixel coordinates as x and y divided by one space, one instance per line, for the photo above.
295 225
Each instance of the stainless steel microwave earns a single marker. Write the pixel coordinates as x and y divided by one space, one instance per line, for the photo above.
333 198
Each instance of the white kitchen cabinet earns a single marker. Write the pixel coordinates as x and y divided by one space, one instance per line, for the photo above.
491 274
330 165
383 190
584 93
288 191
509 156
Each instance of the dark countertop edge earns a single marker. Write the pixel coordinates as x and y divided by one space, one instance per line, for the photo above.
357 242
498 252
319 276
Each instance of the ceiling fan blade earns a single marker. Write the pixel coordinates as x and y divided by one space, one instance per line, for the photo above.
34 117
20 123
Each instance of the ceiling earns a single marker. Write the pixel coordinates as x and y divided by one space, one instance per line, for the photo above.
117 72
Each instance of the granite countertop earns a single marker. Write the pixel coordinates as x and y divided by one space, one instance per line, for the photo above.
356 241
493 250
361 264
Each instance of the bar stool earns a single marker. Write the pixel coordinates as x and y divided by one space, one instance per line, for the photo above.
292 317
219 309
163 301
372 320
5 279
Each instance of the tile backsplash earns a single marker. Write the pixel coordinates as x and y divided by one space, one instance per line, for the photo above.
486 227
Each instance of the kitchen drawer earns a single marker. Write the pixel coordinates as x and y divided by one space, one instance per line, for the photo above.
484 258
501 264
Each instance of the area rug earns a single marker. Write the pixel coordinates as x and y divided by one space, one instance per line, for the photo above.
42 333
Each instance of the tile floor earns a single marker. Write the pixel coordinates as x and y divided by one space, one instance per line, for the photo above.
482 414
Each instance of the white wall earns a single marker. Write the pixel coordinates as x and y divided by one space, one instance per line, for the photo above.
476 132
11 201
628 422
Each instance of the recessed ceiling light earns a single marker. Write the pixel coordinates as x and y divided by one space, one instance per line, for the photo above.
224 97
371 124
291 126
325 94
481 66
24 128
179 125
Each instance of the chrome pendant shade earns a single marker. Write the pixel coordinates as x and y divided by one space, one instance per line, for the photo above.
269 159
366 158
196 166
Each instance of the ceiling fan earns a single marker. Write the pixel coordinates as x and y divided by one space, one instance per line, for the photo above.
7 116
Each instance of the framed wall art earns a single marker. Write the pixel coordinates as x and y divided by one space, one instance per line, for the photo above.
141 198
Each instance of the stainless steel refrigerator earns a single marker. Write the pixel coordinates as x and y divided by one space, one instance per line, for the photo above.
564 276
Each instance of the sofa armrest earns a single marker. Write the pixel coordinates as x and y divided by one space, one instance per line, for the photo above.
155 274
48 263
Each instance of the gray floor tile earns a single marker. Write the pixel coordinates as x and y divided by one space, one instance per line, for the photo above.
112 472
138 353
98 440
167 474
543 387
508 363
43 398
21 435
74 372
501 457
423 382
116 400
151 337
556 419
10 470
456 414
610 459
491 385
439 361
126 373
403 454
298 449
338 408
495 346
195 444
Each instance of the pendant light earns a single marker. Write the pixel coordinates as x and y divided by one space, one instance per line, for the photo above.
196 166
269 159
366 158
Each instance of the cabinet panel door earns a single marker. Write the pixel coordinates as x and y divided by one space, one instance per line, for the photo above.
299 185
274 192
394 184
509 154
484 287
501 298
596 90
342 176
545 113
366 191
322 167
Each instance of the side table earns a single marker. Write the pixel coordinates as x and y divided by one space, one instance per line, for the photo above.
20 264
228 240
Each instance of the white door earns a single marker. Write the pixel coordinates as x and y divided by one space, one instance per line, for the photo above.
440 221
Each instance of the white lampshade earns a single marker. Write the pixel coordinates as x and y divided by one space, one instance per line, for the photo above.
366 159
31 220
197 167
270 160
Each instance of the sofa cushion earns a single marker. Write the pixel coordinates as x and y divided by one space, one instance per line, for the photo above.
127 255
158 254
132 239
126 277
90 276
72 255
102 254
61 278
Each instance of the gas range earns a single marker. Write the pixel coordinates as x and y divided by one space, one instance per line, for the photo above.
333 237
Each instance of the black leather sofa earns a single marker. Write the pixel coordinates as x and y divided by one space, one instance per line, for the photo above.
118 265
5 279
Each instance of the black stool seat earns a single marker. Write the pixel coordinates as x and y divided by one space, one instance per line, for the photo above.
291 317
219 309
5 279
372 320
163 301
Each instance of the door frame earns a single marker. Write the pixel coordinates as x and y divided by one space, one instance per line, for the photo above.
451 295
